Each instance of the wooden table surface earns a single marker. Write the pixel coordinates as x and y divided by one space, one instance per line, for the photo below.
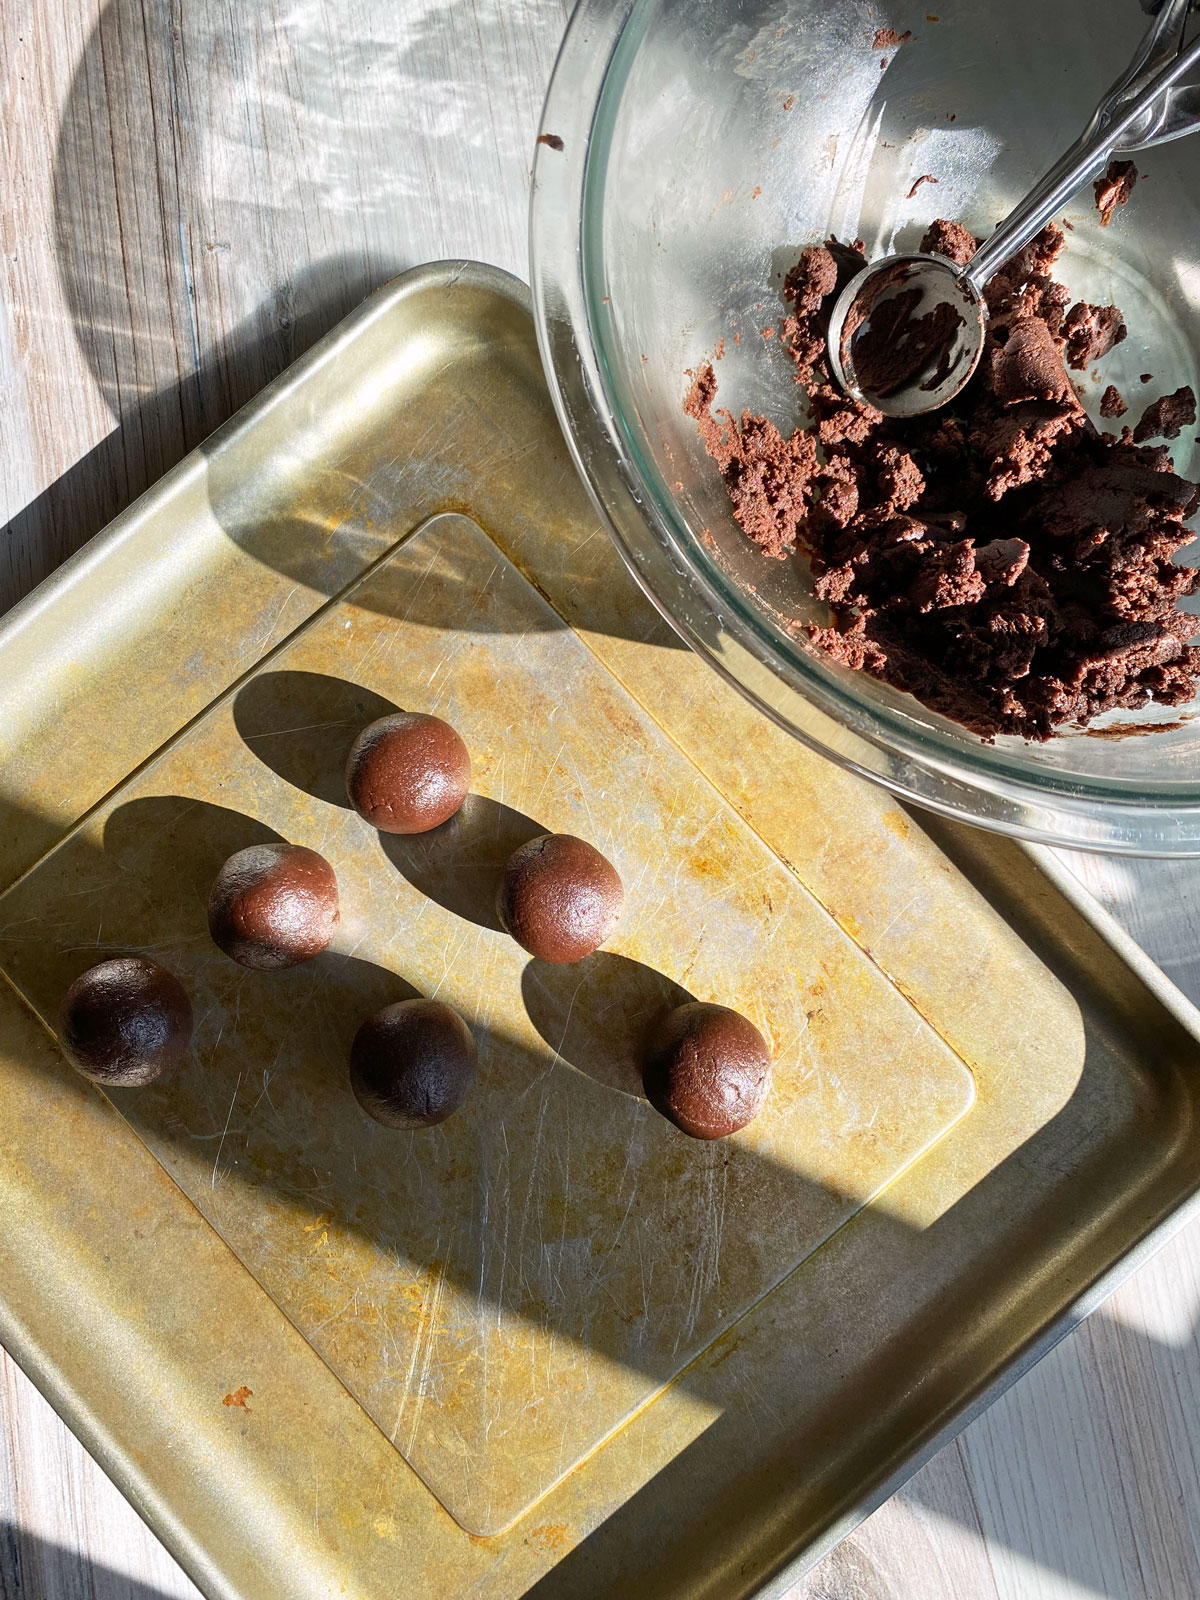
191 191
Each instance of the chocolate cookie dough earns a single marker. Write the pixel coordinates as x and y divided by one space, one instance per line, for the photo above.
408 773
1167 417
707 1069
559 897
1000 559
898 345
412 1064
125 1021
1091 332
273 906
1114 189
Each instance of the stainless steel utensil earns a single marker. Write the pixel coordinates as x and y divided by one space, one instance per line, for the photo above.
1147 105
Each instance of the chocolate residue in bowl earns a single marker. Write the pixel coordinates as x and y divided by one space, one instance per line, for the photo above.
999 559
1134 730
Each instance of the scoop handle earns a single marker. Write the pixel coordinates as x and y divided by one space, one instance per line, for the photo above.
1085 160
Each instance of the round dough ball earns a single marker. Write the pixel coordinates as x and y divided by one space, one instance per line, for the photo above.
273 906
126 1021
412 1064
408 773
559 897
707 1069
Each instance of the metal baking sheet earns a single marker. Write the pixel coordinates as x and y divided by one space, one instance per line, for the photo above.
500 1293
510 1355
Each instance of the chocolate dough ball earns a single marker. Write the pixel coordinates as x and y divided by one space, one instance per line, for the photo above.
273 906
559 897
408 773
126 1021
707 1069
412 1064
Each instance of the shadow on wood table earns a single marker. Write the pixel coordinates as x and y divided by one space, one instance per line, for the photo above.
32 1568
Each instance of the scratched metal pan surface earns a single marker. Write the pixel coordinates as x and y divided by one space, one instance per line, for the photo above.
551 1347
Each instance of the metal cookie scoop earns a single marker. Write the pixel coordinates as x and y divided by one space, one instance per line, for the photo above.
907 332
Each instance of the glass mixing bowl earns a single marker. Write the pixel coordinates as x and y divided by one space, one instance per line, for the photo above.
690 149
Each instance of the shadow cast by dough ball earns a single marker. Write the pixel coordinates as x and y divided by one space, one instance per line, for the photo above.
351 991
595 1013
176 844
302 725
162 853
459 864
